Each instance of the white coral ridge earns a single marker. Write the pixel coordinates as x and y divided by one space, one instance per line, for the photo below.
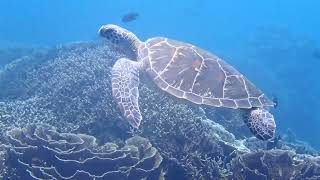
220 133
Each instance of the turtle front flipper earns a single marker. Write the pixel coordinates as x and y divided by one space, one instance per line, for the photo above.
125 82
261 123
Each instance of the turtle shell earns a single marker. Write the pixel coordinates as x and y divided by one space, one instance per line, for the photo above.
191 73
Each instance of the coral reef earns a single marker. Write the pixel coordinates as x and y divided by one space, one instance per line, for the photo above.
40 152
231 119
73 86
68 84
298 147
274 164
291 142
12 52
185 135
69 88
13 75
4 170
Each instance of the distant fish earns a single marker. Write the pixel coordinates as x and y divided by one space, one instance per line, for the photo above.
275 101
132 16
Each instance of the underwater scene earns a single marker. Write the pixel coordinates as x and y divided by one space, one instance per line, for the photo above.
159 89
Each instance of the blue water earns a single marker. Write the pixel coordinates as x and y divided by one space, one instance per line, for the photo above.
274 43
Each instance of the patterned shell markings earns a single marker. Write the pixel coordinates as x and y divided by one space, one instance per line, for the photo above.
191 73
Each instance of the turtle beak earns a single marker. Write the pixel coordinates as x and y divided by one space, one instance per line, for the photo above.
102 30
99 30
107 29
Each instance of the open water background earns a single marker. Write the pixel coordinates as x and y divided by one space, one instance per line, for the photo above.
274 43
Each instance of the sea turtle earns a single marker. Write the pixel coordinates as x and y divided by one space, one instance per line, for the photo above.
186 72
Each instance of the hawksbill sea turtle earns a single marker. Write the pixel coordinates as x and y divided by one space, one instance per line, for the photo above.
186 72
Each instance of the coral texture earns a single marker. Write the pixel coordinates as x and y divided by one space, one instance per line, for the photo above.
68 84
13 52
72 85
40 152
275 164
184 134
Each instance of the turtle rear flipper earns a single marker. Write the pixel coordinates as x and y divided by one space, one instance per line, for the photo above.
261 123
125 82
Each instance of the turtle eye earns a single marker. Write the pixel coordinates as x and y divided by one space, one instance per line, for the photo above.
115 40
107 33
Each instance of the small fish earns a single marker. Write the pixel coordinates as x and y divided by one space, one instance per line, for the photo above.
130 17
275 101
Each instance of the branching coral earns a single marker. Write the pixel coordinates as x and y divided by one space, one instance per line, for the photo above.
183 133
13 52
231 119
68 84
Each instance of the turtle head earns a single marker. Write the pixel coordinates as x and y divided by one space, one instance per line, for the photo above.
121 39
261 123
